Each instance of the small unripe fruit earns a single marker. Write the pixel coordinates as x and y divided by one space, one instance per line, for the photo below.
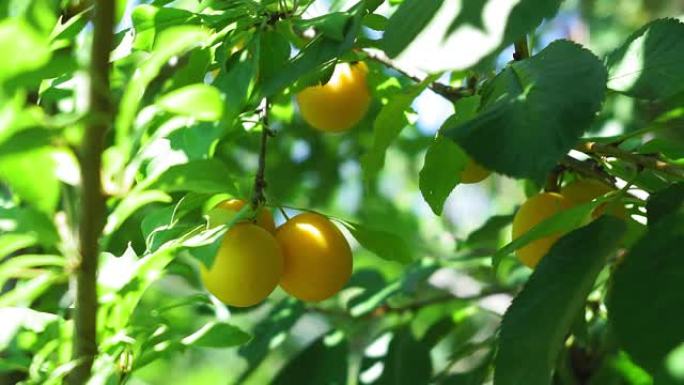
247 266
534 211
339 104
317 257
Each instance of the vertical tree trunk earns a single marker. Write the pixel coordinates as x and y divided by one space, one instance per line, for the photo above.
92 199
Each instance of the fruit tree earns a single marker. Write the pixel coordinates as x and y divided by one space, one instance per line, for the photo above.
342 192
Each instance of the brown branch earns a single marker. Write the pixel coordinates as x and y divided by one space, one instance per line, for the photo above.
93 200
448 92
259 198
642 161
587 169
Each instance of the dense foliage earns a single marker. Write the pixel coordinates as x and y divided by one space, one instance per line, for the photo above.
124 123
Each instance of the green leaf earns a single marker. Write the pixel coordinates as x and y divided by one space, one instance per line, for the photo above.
237 83
19 263
132 283
13 242
149 21
648 64
645 305
274 53
406 23
324 362
441 171
332 25
217 335
209 176
18 39
534 111
382 243
172 42
427 34
200 101
445 160
537 322
488 235
388 125
669 148
129 205
32 176
321 51
665 202
407 362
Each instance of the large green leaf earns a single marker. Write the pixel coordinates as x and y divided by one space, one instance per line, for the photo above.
384 244
407 22
439 35
648 64
217 335
172 42
388 125
324 362
208 176
321 51
445 160
665 202
537 322
646 306
200 101
534 111
149 21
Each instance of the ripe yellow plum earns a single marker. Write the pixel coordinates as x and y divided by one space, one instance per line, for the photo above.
264 217
339 104
534 211
247 266
317 257
585 190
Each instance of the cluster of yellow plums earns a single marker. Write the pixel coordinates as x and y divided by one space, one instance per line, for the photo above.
308 256
544 205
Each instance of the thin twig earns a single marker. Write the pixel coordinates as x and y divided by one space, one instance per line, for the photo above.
644 161
93 200
449 92
259 198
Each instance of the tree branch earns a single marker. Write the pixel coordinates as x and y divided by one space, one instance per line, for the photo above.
92 201
259 198
587 169
448 92
643 161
